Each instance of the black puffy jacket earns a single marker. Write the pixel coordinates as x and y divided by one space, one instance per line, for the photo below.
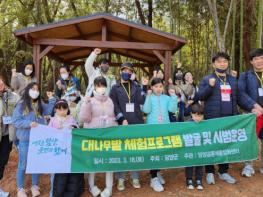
212 96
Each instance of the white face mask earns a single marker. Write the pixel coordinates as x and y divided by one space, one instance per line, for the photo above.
72 98
34 94
28 72
64 76
100 91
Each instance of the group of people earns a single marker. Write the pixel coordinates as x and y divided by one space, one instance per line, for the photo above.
109 102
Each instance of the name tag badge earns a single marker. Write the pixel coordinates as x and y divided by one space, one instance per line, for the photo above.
225 92
260 91
7 120
129 107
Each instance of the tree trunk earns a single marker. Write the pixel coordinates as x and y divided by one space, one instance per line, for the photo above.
234 35
150 13
213 11
140 12
241 35
259 24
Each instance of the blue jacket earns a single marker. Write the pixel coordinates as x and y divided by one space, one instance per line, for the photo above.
22 121
156 105
212 96
73 80
120 99
248 90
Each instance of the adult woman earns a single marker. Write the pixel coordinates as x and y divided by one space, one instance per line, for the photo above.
28 113
68 86
8 99
20 80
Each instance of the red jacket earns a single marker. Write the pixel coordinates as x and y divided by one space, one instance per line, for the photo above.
259 125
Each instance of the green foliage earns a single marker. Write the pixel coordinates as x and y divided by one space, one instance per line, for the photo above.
187 18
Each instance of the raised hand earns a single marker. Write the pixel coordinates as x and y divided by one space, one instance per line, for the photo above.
97 51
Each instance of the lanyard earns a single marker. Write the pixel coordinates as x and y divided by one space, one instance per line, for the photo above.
129 91
260 79
223 81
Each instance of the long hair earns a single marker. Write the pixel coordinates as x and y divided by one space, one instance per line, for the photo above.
3 78
27 100
184 81
28 62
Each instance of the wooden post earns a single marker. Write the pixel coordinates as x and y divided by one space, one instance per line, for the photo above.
37 62
104 32
168 65
109 58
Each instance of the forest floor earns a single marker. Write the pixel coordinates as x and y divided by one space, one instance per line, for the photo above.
175 184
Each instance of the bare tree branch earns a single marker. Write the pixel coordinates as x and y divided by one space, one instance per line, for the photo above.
150 14
227 20
213 11
139 8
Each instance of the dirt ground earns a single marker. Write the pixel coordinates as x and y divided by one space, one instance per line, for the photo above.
175 184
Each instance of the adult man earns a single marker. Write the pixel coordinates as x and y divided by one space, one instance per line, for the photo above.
250 86
102 70
219 93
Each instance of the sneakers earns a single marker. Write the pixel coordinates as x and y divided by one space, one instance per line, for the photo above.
210 179
35 191
106 193
189 184
136 183
121 185
248 171
95 191
199 185
3 193
21 193
227 178
156 185
161 179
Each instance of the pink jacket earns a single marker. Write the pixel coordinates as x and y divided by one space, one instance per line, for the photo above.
98 112
60 123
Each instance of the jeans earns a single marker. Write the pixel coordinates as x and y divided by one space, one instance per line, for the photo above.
121 175
21 169
52 176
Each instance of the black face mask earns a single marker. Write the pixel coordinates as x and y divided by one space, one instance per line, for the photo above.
221 70
104 69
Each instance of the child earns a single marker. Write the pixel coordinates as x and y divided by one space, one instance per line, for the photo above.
157 107
197 115
171 90
62 118
98 112
64 184
28 113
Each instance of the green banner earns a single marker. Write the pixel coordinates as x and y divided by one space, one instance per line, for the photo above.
161 146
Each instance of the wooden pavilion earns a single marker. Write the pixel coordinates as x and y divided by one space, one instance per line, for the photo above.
72 40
